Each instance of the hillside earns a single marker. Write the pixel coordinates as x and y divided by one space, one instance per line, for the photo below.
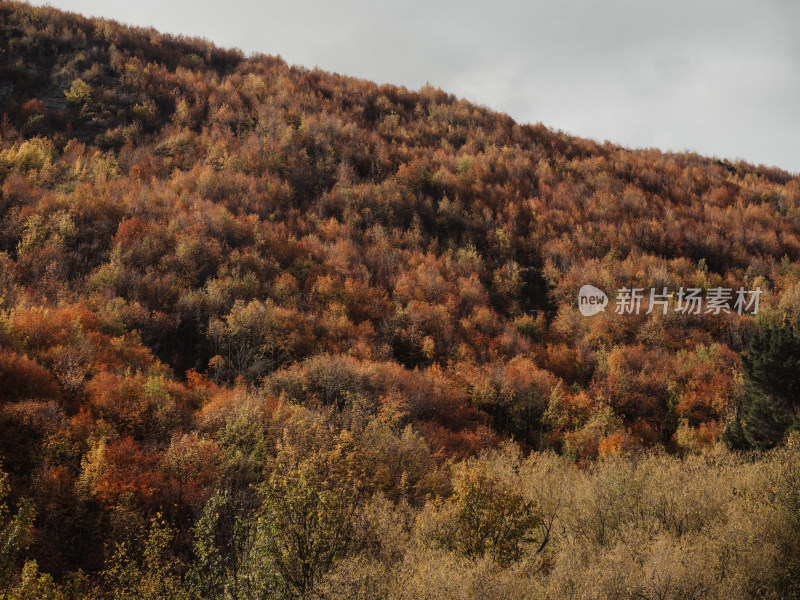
222 274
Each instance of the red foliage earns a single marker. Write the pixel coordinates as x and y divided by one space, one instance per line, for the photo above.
22 378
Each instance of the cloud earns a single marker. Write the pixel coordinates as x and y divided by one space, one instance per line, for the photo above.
717 77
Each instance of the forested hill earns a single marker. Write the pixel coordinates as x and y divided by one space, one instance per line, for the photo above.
192 240
246 219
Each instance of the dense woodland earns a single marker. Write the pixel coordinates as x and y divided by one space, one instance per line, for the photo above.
270 332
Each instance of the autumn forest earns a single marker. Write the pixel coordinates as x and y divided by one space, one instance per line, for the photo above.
271 332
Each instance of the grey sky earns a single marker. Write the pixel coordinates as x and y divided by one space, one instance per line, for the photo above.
718 77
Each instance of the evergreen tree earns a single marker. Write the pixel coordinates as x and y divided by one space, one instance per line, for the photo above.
772 386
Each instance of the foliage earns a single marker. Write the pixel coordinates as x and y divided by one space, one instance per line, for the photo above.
274 332
486 517
149 571
310 508
15 532
772 372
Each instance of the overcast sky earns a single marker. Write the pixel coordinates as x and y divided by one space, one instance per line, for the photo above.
717 77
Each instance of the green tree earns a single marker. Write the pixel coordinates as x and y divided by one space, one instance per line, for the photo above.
231 560
15 532
147 570
772 386
310 511
34 585
79 94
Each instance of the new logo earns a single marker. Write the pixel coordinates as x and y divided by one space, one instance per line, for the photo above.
591 300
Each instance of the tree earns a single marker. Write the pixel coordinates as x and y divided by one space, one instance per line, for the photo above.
230 554
484 516
311 502
772 386
256 338
146 569
15 533
79 94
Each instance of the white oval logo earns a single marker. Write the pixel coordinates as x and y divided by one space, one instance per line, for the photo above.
591 300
